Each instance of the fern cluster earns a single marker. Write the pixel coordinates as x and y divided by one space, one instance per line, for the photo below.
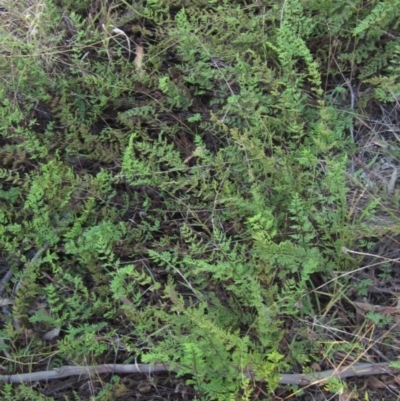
189 204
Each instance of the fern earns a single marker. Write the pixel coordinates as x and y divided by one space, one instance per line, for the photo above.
191 207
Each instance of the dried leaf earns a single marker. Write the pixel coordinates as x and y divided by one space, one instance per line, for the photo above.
6 301
126 301
375 383
392 181
144 386
139 57
383 310
345 396
316 367
51 334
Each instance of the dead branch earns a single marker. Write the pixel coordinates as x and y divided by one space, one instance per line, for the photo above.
303 379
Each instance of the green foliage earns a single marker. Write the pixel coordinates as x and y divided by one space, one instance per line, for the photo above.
22 393
190 200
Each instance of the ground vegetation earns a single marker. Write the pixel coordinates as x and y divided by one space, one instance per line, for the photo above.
205 187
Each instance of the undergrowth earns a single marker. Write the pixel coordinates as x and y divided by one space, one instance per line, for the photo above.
175 184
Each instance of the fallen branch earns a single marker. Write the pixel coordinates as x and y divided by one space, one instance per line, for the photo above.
302 379
356 370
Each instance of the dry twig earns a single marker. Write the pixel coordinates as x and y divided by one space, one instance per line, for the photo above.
305 379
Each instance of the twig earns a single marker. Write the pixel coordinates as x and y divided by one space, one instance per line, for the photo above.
5 280
3 283
357 370
67 371
353 102
306 379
